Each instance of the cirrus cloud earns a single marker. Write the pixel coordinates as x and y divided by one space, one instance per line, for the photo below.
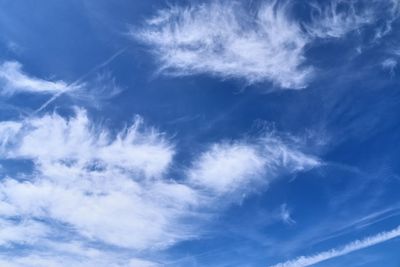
267 43
14 80
223 39
115 189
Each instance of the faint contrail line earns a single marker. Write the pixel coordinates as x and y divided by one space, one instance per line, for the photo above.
80 79
359 244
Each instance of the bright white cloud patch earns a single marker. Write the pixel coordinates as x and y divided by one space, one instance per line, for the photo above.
114 188
334 253
77 142
24 232
13 80
229 167
97 183
223 39
268 43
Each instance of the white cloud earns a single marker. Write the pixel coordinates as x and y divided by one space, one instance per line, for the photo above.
7 131
334 253
389 64
266 43
93 92
142 263
392 9
72 254
223 39
24 232
337 19
98 184
285 155
97 90
75 140
228 167
285 215
114 188
13 80
127 214
76 253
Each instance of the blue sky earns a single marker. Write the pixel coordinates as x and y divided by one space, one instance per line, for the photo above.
199 133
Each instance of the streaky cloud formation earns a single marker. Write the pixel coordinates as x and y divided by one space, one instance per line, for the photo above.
121 180
82 171
334 253
390 65
338 18
93 92
77 82
285 215
13 80
237 173
228 167
223 39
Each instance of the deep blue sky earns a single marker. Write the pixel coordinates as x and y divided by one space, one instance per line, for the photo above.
292 106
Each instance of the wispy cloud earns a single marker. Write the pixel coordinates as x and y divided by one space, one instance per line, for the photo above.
115 189
337 19
392 14
227 167
390 65
225 40
334 253
82 78
82 171
268 43
8 129
285 215
97 90
61 254
14 80
92 92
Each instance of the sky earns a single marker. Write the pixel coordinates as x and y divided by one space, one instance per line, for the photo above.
191 133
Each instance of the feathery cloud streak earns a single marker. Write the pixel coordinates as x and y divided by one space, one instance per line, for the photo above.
122 181
223 39
13 80
334 253
228 167
339 17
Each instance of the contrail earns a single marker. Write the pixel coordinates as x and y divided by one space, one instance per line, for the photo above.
80 79
370 241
